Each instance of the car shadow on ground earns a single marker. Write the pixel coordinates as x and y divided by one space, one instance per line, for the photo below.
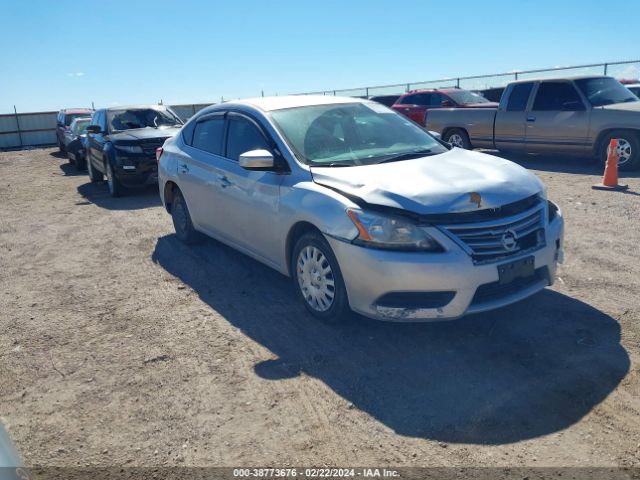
521 372
134 199
58 154
70 170
558 163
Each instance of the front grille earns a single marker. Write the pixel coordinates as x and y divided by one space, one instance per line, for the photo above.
415 299
493 291
502 238
149 146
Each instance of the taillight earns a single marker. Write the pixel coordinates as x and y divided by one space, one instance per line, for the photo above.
159 152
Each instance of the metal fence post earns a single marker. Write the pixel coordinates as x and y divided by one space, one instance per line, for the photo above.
606 66
408 87
15 112
516 75
367 91
457 83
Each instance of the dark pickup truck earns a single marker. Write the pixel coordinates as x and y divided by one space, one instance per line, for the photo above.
577 115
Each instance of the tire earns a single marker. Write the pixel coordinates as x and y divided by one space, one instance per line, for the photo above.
94 175
628 147
116 189
182 221
458 138
61 147
322 292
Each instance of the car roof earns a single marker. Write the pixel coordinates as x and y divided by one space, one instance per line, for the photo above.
566 78
431 90
268 104
135 107
76 110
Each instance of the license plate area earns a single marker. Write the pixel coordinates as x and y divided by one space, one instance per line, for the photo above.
523 268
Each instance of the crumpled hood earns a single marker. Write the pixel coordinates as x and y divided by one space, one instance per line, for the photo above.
436 184
145 133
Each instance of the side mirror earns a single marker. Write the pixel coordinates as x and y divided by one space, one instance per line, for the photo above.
572 106
94 129
256 160
446 103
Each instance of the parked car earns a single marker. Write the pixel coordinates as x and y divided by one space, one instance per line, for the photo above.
574 115
634 88
63 122
417 103
74 142
122 142
361 207
387 100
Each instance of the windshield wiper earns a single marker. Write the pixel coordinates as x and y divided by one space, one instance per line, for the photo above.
406 156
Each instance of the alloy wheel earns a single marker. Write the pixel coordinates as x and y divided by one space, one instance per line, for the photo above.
623 150
456 140
315 278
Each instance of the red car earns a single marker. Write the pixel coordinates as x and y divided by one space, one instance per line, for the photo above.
416 103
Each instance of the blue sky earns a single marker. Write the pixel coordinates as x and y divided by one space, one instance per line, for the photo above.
70 53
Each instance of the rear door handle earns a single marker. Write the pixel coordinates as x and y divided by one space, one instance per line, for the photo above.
531 118
184 168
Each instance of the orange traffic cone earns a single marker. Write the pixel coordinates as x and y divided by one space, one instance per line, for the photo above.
610 179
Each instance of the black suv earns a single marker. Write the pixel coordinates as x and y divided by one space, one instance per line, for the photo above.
63 122
122 143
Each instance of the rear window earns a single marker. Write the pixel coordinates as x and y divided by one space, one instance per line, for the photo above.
519 97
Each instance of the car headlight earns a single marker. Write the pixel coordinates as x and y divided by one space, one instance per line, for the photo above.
129 148
391 233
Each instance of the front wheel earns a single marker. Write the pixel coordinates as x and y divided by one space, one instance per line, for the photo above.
318 280
458 138
628 149
116 188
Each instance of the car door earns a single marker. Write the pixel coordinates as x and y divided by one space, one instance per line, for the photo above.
250 198
98 140
558 120
198 172
510 123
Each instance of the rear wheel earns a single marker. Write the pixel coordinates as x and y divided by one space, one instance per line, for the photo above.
61 146
80 163
628 149
458 138
182 220
317 278
94 175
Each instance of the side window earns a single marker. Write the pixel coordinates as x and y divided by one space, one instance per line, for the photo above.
436 100
418 99
187 133
519 97
244 136
207 135
552 96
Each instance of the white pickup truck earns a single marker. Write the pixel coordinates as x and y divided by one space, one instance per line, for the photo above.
577 115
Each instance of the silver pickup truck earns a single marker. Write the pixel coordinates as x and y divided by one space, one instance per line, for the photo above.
577 115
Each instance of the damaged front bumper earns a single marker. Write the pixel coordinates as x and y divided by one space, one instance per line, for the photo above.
415 286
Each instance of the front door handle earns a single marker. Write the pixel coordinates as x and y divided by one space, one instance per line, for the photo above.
224 181
184 168
531 118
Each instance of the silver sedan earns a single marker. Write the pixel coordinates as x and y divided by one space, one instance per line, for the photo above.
365 210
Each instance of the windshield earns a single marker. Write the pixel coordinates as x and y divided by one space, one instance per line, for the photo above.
605 91
141 118
70 117
80 126
464 97
352 134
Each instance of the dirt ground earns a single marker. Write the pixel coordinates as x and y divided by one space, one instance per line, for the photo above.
121 346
